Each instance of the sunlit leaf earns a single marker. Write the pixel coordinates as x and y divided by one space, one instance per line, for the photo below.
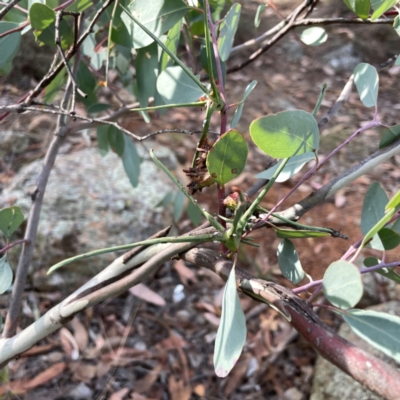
6 274
381 7
379 329
231 334
298 233
238 111
286 134
314 36
289 262
227 158
228 30
367 83
292 167
342 284
394 202
257 18
359 7
10 220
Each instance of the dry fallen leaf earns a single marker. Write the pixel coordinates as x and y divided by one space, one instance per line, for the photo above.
146 294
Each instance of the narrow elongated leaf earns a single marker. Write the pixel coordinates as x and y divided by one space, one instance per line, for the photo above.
293 166
158 16
102 139
379 329
179 203
231 334
10 220
172 43
342 284
390 135
383 7
9 44
6 274
360 7
286 134
227 158
239 110
314 36
194 214
298 233
367 83
116 140
228 31
289 262
131 161
175 87
257 18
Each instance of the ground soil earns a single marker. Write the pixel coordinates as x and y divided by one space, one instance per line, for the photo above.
132 348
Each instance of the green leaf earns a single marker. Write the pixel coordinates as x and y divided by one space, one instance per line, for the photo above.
176 87
102 139
238 111
396 226
342 284
172 43
158 16
298 233
205 64
231 334
120 35
146 73
314 36
389 273
383 7
394 202
194 214
42 19
293 166
389 238
116 140
371 261
55 86
6 274
257 18
367 83
9 44
97 56
10 220
228 30
227 158
85 79
373 208
98 107
286 134
131 161
168 198
359 7
289 262
389 136
379 329
79 6
179 203
396 25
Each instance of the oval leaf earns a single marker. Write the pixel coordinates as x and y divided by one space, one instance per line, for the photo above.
314 36
227 158
342 284
176 87
289 262
286 134
231 334
293 166
6 274
10 220
367 83
227 31
389 238
379 329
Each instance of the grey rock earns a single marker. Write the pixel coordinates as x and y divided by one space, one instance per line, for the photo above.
330 383
90 204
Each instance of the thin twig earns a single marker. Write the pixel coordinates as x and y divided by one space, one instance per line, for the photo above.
8 7
11 245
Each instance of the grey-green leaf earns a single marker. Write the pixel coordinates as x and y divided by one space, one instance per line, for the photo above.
228 30
131 161
116 140
292 167
176 87
367 83
314 36
179 203
231 334
8 44
257 18
102 139
6 274
381 7
239 110
172 44
289 262
10 220
342 284
373 208
379 329
391 134
286 134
